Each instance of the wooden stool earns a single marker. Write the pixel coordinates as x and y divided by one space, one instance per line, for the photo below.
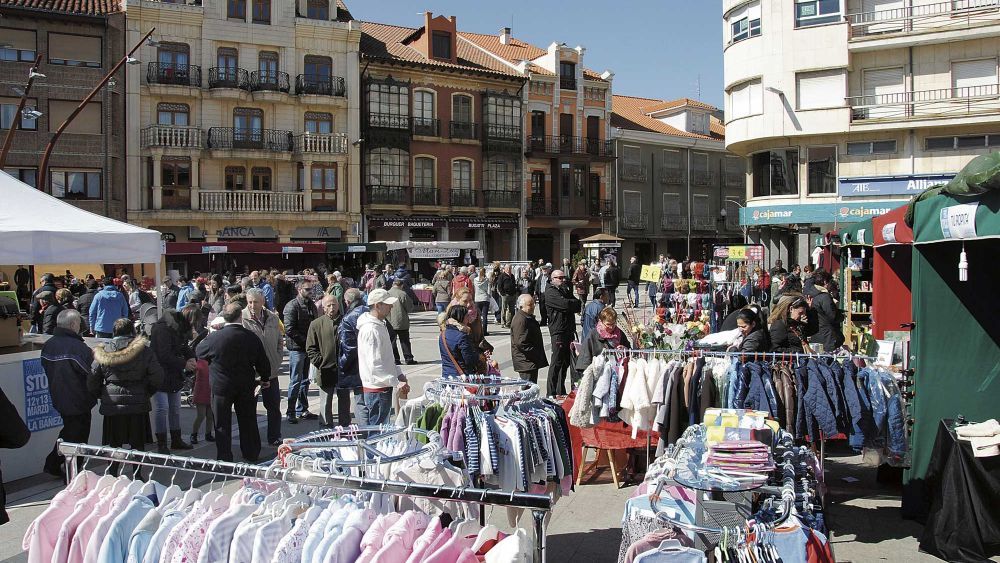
594 465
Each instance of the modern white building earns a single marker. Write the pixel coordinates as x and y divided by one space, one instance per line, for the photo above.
845 108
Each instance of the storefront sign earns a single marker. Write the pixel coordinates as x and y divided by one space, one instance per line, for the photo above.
484 224
602 245
214 249
959 221
360 248
433 252
889 233
39 414
813 213
752 252
236 232
890 185
316 233
292 250
401 223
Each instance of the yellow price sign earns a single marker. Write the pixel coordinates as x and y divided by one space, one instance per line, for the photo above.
650 274
737 253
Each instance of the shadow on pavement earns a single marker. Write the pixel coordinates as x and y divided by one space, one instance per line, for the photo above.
598 546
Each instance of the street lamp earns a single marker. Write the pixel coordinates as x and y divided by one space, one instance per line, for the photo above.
127 59
33 75
723 212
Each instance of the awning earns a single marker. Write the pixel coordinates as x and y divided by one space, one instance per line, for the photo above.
244 247
890 229
858 233
354 247
945 218
602 238
451 244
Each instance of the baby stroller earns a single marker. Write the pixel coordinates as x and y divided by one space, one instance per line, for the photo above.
148 315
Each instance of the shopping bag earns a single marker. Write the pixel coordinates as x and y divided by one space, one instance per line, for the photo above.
313 373
493 305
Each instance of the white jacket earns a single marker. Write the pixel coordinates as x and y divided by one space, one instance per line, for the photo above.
375 359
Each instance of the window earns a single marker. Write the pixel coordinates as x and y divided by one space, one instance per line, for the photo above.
19 45
172 114
388 99
261 11
8 114
318 9
816 12
672 160
423 113
538 124
441 45
227 61
963 142
236 9
874 147
699 163
630 154
672 204
175 172
821 89
423 172
564 179
267 64
822 165
74 50
318 68
940 143
173 55
632 203
236 178
974 78
461 108
746 99
735 176
776 173
76 184
461 174
699 206
567 75
248 127
260 177
538 185
503 111
317 122
503 173
883 87
27 175
388 167
744 22
324 179
87 121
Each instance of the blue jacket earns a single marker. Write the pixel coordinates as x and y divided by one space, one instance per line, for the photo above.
589 319
818 401
350 375
182 296
108 306
462 349
759 391
268 292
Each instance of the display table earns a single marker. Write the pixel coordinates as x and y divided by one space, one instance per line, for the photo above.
426 298
964 520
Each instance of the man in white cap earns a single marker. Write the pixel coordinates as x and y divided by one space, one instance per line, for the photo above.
376 363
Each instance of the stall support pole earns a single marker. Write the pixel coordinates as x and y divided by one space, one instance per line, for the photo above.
539 517
157 277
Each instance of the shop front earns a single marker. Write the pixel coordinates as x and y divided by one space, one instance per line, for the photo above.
497 235
186 258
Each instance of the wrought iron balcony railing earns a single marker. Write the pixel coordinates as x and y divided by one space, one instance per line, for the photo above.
461 197
173 74
633 172
509 199
426 127
320 85
273 140
269 81
227 77
462 130
426 196
387 195
634 221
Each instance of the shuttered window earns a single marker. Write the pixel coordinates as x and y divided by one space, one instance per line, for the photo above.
746 99
672 204
633 203
974 78
87 121
74 50
630 155
884 89
821 89
888 17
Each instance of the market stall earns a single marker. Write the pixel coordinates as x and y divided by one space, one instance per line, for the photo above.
892 267
956 340
856 284
37 228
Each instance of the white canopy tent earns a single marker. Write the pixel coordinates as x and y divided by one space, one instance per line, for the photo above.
36 228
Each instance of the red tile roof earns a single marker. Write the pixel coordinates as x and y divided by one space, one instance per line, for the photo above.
516 51
678 103
632 113
83 7
384 41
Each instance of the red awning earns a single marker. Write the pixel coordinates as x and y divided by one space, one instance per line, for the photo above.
244 247
900 233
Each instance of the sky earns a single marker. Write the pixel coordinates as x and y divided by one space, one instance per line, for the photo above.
656 48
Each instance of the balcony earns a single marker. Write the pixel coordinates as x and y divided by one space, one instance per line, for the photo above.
225 77
463 130
565 144
426 196
508 199
674 222
462 197
389 121
703 178
319 85
953 15
426 127
227 201
320 143
703 223
387 195
269 81
633 172
175 197
634 221
171 136
567 83
173 75
536 206
503 132
671 175
942 103
273 140
602 208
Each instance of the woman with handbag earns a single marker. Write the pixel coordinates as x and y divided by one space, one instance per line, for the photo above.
459 355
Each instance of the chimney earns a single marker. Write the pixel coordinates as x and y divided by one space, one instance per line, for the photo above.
505 36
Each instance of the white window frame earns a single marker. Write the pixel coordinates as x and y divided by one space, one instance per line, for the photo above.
750 106
472 174
417 94
837 96
434 174
626 149
669 210
749 26
987 87
817 18
701 200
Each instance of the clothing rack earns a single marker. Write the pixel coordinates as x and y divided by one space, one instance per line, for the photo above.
537 504
753 355
368 455
448 390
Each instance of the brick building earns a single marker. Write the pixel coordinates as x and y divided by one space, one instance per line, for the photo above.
79 41
442 138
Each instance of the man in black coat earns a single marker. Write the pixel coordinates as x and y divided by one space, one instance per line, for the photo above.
35 310
508 289
83 303
299 313
67 361
168 339
13 434
237 364
526 347
634 277
562 308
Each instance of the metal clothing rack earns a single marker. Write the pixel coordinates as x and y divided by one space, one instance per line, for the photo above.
451 390
751 355
537 504
361 438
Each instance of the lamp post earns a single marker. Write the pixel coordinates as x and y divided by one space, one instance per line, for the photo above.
32 75
723 212
43 167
